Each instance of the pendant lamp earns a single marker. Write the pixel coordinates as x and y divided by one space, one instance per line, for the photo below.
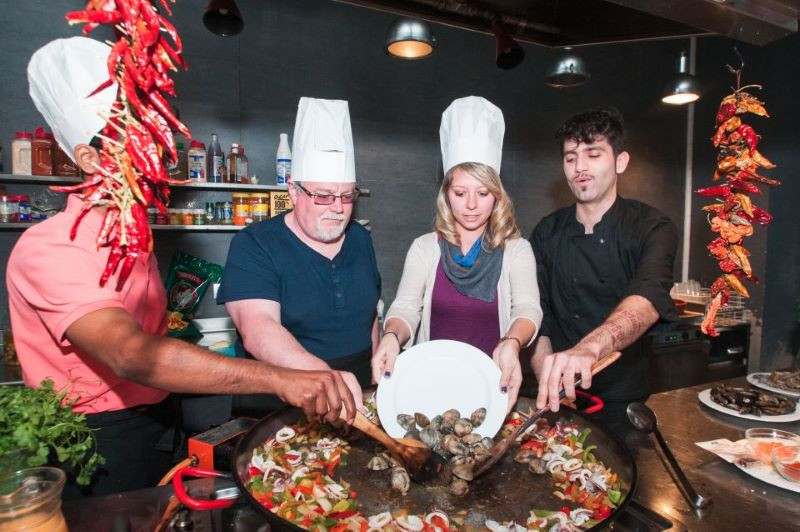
410 38
222 18
683 88
568 71
509 52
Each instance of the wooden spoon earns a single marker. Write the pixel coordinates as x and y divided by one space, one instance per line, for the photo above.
422 463
499 449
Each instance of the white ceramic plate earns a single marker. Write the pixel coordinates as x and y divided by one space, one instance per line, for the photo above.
766 473
751 378
436 376
705 398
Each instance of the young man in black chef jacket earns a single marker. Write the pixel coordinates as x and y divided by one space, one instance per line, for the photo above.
605 268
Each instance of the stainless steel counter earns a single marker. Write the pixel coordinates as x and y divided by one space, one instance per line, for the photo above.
740 502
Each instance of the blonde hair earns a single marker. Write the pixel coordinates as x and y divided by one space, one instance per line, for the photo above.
502 225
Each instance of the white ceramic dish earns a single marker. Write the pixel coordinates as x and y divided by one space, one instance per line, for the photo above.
751 378
705 398
766 473
435 376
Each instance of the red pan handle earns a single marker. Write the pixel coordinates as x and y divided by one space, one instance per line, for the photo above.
199 504
597 403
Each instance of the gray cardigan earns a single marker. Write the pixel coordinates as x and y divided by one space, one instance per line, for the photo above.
517 289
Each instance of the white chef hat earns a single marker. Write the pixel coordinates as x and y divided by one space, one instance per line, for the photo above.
323 142
472 132
61 74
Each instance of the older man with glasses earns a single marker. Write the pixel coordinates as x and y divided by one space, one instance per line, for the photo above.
302 287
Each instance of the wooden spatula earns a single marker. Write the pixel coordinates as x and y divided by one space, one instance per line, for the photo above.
422 463
499 449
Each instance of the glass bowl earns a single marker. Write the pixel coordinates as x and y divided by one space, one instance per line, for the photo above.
786 460
763 441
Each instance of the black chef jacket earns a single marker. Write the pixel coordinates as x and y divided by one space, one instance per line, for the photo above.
582 278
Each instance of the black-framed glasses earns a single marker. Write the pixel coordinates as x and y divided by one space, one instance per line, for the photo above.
328 199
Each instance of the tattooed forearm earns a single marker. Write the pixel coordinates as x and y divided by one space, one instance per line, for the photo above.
623 327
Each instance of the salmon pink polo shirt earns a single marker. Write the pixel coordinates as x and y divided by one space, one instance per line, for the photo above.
53 282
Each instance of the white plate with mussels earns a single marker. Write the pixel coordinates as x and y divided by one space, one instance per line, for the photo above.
705 398
433 377
761 380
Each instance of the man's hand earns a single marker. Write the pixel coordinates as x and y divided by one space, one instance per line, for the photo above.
355 389
321 393
560 369
506 356
385 356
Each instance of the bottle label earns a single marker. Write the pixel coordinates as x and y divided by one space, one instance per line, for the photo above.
197 167
284 170
217 162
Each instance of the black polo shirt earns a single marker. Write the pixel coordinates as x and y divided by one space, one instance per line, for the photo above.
582 278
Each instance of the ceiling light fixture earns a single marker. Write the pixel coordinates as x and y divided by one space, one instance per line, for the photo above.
222 18
509 52
568 71
410 38
683 88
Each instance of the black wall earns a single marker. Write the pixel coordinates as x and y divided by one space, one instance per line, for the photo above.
246 89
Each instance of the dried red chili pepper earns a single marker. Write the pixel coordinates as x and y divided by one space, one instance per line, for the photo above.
721 190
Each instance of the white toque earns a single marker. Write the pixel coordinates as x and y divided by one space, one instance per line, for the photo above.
472 132
323 142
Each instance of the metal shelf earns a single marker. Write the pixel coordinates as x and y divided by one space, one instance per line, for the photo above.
58 180
16 226
211 228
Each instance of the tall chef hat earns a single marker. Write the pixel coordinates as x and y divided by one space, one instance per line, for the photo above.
472 132
323 142
61 75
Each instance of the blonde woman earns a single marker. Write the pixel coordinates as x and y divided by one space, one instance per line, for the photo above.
473 279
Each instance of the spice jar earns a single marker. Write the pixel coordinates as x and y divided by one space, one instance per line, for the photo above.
174 217
62 164
259 206
21 153
42 152
186 217
241 208
24 208
9 209
198 217
209 212
162 218
151 215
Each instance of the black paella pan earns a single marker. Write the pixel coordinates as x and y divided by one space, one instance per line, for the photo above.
508 492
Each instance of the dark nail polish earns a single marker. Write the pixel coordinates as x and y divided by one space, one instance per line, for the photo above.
387 374
504 389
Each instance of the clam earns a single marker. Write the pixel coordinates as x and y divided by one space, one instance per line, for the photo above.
421 420
436 422
412 433
446 427
462 460
464 471
459 486
406 421
430 436
451 416
524 456
400 480
471 439
378 463
454 446
481 453
537 465
487 442
462 427
477 417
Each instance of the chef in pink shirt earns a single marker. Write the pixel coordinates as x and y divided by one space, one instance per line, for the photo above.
106 344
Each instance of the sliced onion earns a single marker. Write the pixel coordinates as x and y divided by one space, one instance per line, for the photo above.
285 434
440 514
572 464
411 523
379 520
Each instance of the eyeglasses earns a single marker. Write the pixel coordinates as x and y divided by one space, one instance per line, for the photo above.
328 199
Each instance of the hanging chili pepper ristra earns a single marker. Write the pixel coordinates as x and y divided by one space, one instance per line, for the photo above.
138 133
734 214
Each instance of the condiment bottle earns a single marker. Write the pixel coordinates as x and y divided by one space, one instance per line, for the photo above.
283 160
62 164
21 153
187 218
197 161
241 208
216 161
237 165
9 209
42 152
259 206
178 169
24 208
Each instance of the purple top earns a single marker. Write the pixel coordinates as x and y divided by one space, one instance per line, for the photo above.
458 317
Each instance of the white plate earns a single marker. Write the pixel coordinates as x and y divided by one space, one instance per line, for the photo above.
436 376
705 398
766 473
751 378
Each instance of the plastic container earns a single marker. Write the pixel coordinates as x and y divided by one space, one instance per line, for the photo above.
32 500
237 165
196 161
21 153
42 152
179 168
764 440
62 164
241 209
216 161
283 160
9 209
259 206
786 460
24 208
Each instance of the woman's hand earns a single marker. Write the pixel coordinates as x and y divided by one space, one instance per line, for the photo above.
506 356
385 355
